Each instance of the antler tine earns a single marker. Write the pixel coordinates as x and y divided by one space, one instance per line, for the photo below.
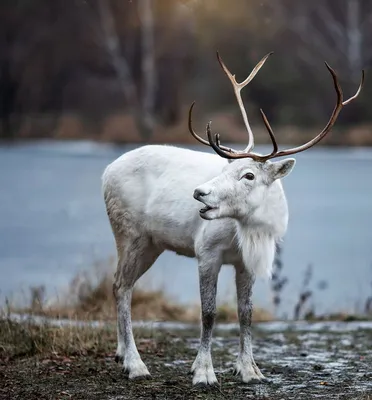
271 133
357 92
237 88
191 129
339 104
218 149
195 135
216 146
221 150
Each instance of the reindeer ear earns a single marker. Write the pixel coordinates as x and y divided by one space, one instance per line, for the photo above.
280 169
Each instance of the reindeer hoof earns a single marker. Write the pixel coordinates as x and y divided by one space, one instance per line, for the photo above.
119 359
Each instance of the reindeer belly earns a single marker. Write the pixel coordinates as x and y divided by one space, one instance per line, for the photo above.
173 232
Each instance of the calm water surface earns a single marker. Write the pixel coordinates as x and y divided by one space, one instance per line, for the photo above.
53 224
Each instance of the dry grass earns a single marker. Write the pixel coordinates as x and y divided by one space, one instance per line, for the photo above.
27 339
90 297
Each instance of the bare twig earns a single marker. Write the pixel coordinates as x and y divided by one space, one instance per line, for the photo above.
112 42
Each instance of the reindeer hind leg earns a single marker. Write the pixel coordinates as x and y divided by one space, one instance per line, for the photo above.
135 257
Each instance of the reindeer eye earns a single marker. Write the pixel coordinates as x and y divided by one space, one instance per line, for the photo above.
249 176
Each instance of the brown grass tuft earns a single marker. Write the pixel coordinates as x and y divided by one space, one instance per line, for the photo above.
90 297
27 339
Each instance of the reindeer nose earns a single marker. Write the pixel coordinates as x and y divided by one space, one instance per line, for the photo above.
200 193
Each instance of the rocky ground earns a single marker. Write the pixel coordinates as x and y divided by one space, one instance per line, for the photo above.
305 361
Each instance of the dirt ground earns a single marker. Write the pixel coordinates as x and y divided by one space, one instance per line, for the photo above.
305 364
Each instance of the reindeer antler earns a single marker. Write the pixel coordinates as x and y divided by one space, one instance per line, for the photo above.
234 154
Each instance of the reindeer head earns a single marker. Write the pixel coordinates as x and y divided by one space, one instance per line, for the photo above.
241 188
248 179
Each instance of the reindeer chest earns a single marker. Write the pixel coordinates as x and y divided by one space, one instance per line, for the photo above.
232 255
219 238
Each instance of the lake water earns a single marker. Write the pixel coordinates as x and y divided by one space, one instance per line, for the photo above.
53 224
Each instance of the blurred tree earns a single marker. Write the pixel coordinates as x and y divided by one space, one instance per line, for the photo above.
8 87
146 16
146 57
340 31
143 40
112 44
336 31
93 57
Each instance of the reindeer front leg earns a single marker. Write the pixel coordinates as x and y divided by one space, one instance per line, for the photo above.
245 365
202 367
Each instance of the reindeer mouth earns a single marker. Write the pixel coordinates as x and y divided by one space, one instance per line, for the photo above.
205 209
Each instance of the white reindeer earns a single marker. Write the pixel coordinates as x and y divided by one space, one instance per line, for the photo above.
150 197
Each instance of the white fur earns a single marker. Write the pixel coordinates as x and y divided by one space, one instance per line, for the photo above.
149 200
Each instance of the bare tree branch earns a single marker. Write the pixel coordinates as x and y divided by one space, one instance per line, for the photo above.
145 12
113 46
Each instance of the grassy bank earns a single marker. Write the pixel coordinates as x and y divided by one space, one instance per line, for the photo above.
89 296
